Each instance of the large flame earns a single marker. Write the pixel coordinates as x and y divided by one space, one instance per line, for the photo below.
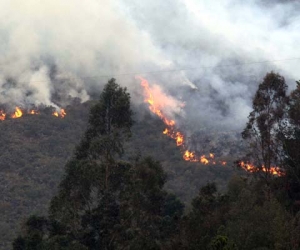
17 114
156 106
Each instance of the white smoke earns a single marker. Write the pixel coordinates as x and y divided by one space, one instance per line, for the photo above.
71 48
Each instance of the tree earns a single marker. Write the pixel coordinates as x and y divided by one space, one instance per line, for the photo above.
90 189
93 168
206 216
291 143
221 243
109 122
254 222
265 124
35 228
104 202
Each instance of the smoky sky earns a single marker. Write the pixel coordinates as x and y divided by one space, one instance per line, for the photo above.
71 48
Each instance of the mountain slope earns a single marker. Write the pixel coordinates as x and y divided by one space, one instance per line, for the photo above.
34 149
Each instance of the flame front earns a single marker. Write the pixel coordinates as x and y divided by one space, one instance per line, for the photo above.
156 107
19 113
253 169
172 132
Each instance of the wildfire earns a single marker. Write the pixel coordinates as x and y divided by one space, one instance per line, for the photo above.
2 115
253 169
179 139
18 113
189 156
62 113
155 106
33 112
204 160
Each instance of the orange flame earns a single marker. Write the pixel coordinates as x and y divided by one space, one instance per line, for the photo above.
152 104
189 156
180 141
166 131
18 113
62 113
253 169
171 130
2 115
204 160
33 112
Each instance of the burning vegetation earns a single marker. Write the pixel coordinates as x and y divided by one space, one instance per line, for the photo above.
19 112
156 107
254 169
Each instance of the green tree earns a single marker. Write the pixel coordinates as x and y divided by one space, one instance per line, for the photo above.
104 202
254 222
92 172
206 216
265 124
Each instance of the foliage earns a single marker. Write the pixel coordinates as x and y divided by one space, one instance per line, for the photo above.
291 143
113 198
103 202
34 149
265 122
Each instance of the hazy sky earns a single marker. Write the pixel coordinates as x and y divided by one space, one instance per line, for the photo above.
95 38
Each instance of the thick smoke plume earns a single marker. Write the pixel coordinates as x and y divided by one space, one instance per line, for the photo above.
54 50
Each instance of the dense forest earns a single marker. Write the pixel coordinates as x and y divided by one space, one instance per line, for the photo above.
35 149
112 195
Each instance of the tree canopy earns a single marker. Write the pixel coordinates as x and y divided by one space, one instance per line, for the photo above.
108 201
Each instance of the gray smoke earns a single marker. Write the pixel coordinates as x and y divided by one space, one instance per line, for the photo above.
71 48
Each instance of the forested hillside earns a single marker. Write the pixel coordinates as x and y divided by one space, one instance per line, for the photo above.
112 196
35 148
149 125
